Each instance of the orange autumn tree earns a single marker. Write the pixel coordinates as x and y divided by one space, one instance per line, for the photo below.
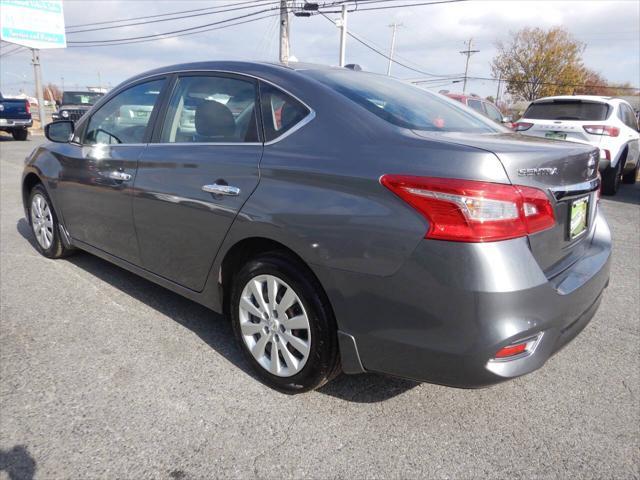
537 63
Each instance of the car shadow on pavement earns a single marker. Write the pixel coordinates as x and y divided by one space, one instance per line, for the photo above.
214 329
626 194
17 463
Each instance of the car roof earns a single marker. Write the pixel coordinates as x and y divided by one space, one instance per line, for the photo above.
462 96
590 98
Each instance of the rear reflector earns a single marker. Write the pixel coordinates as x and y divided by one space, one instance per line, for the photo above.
511 350
518 349
471 211
522 126
602 130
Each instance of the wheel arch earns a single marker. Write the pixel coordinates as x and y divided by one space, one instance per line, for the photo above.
248 248
29 181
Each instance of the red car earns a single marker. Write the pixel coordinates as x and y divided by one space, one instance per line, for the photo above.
482 106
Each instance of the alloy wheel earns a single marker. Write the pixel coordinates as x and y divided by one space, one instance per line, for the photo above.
42 221
274 325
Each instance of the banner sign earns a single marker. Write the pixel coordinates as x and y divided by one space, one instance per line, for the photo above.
33 23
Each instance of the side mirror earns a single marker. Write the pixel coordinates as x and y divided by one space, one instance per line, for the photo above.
507 119
58 103
60 131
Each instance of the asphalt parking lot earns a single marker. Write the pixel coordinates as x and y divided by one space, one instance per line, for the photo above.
105 375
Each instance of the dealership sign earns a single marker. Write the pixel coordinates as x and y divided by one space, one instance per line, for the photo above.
33 23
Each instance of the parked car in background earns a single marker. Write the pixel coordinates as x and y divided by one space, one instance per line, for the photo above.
75 104
343 220
15 117
605 122
482 106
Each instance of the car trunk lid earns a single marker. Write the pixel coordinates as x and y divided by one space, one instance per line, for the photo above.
567 172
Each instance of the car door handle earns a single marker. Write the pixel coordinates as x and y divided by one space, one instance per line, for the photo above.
221 189
116 175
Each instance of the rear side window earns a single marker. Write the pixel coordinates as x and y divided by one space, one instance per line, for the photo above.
124 118
568 110
628 117
211 109
493 113
280 112
476 105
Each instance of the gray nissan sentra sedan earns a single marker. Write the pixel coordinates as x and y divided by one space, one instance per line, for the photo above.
343 221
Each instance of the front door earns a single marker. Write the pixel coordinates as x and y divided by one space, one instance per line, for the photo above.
98 175
196 175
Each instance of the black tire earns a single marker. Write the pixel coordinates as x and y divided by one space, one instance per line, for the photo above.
629 178
20 135
323 361
57 249
611 179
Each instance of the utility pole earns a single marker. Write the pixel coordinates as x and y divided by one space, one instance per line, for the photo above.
62 80
498 92
468 52
343 34
38 74
284 32
395 26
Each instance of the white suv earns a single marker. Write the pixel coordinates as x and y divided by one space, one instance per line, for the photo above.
604 122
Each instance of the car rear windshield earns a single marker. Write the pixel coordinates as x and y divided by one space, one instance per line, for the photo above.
402 104
568 110
80 98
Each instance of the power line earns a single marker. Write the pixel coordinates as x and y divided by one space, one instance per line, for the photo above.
178 35
371 47
146 22
401 6
156 35
15 51
158 15
528 82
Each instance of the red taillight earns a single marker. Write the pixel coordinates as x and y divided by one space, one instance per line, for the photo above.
471 211
602 130
27 106
522 126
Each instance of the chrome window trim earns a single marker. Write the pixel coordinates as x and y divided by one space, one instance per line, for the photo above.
101 102
308 118
304 121
204 144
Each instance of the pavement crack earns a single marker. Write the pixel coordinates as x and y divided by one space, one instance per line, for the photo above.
287 435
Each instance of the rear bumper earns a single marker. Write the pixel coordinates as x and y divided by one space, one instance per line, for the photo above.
7 123
443 316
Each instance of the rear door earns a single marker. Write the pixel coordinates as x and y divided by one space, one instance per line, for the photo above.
564 119
196 174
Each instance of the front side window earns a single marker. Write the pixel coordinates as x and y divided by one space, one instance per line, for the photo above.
401 104
211 109
280 112
124 118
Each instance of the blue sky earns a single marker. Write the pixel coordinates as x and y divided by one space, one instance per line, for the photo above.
429 39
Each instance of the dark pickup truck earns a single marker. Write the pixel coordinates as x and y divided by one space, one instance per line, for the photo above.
15 117
75 104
